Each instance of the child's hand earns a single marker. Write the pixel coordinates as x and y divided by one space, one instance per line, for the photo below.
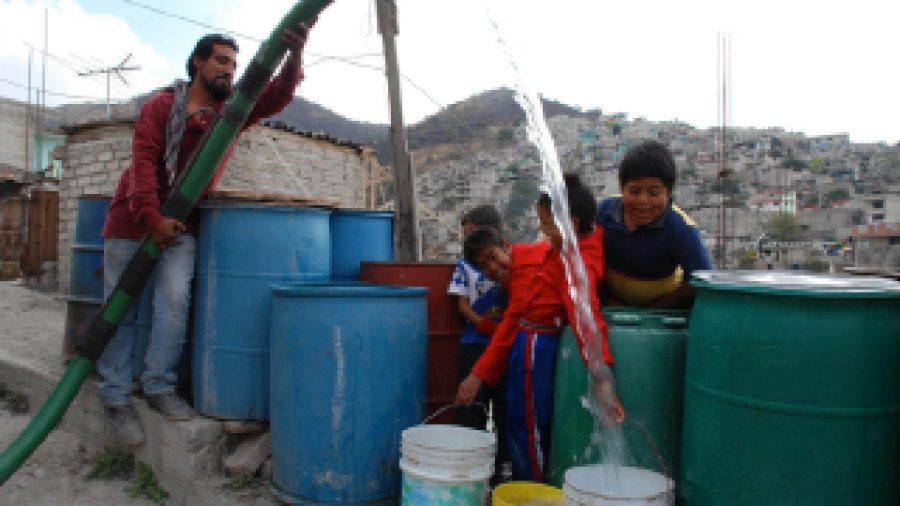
468 389
486 326
616 411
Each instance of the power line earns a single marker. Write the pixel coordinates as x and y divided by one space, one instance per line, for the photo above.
228 31
349 60
192 21
55 93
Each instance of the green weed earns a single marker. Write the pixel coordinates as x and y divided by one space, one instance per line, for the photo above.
242 481
146 486
111 464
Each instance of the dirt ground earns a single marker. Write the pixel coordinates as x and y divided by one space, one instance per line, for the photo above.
54 473
31 325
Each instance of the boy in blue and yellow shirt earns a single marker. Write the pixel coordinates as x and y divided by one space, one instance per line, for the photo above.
651 245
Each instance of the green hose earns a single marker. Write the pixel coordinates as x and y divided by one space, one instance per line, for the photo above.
187 190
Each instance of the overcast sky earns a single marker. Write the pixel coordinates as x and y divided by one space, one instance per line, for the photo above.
817 67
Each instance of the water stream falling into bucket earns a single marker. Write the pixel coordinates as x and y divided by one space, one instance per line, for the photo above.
606 429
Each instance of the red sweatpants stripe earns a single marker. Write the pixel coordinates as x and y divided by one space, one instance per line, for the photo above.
529 408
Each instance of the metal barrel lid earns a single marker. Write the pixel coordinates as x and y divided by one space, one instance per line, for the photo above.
638 316
797 283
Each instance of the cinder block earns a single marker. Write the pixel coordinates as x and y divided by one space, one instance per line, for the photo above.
249 455
192 434
190 465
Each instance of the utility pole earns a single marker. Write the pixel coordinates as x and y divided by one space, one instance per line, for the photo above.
408 248
724 50
117 70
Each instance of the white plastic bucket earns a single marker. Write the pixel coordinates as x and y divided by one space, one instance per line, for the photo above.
603 485
445 465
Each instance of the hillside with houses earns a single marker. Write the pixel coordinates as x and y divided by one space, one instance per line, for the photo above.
789 201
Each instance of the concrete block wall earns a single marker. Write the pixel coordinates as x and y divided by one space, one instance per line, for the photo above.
13 133
271 160
93 157
265 159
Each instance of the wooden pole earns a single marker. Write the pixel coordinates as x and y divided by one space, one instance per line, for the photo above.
408 248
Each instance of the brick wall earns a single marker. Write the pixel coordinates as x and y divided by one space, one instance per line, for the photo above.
13 134
273 160
265 159
93 157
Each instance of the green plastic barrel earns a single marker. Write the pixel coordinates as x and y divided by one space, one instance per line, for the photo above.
792 391
648 347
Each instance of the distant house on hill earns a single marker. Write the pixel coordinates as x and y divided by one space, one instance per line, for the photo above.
774 202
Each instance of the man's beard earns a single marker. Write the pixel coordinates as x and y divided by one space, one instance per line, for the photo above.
218 89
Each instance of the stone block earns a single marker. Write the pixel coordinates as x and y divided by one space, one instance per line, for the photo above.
192 434
249 454
190 465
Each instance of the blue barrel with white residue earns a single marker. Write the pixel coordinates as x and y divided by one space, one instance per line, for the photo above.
347 377
243 250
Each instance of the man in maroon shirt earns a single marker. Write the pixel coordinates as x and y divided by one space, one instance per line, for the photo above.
168 129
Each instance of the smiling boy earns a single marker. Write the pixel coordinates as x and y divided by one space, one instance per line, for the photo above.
651 246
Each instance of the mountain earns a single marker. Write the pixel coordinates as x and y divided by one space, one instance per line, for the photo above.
459 123
467 120
309 116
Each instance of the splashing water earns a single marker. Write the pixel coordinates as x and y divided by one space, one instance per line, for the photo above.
600 403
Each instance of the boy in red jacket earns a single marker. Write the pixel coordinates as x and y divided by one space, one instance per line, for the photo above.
525 343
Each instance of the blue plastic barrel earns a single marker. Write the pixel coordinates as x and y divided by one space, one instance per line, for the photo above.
359 236
348 374
86 274
91 216
244 249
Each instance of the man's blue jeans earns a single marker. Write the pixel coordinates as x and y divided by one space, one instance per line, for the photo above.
170 287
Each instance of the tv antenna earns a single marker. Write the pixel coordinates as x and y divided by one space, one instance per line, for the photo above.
117 70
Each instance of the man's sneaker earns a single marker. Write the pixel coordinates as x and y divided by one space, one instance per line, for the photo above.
124 424
171 406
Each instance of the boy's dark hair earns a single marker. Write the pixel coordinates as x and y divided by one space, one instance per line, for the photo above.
483 216
582 204
480 239
204 50
648 159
